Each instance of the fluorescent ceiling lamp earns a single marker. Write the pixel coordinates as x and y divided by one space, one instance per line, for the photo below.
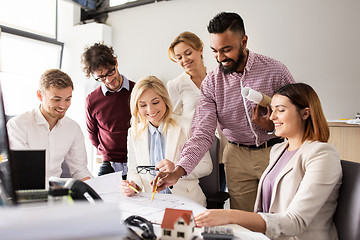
113 3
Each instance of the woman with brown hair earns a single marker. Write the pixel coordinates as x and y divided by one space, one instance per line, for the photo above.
297 193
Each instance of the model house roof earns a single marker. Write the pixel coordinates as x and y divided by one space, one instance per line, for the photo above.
171 216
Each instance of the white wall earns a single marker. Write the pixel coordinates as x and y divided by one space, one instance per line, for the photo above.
317 40
76 37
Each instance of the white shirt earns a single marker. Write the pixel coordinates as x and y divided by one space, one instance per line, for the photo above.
184 95
65 141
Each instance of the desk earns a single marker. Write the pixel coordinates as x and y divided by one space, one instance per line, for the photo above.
346 139
140 204
100 221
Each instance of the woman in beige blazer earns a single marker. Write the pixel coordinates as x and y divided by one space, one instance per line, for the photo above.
297 194
151 109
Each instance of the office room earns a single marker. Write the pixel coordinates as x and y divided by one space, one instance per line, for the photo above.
316 40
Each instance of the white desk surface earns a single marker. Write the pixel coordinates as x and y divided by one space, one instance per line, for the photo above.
99 221
141 204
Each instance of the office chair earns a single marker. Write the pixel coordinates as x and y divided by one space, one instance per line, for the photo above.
65 170
215 199
347 214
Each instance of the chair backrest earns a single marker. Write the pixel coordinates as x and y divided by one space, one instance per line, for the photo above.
211 184
65 170
347 214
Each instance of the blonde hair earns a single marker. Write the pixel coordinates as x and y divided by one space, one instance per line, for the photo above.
190 39
149 82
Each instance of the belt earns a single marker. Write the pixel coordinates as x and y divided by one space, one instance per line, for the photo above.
266 144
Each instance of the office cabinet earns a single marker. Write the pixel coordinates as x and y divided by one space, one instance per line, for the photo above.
346 139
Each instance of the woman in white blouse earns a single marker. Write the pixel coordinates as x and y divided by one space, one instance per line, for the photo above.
297 193
184 90
155 140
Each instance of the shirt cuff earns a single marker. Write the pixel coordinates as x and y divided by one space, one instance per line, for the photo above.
273 228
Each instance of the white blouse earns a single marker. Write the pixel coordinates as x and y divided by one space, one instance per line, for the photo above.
184 95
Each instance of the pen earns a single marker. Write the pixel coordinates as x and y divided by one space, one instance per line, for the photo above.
152 198
133 188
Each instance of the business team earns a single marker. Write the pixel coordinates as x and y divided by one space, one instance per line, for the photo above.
294 195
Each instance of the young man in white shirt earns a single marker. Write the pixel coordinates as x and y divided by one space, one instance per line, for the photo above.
47 127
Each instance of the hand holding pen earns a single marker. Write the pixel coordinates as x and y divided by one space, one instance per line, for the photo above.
129 188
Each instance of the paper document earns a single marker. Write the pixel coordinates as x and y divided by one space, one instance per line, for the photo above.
107 186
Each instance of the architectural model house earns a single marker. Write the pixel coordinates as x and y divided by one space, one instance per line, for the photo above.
177 224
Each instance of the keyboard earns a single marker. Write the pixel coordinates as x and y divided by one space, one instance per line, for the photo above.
32 195
217 233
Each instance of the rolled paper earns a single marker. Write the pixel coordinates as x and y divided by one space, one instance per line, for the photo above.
256 97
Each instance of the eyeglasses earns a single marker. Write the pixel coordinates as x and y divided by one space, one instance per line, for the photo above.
102 78
146 169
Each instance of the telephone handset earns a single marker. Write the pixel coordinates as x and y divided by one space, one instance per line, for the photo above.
79 190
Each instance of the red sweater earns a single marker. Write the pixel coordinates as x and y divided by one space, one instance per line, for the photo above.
108 120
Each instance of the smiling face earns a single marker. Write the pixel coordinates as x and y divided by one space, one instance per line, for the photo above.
229 50
55 102
187 57
288 120
113 80
151 107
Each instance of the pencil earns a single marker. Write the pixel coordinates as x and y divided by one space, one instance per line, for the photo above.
133 188
152 198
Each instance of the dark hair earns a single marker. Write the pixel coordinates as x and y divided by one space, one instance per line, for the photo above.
96 56
55 78
303 96
224 21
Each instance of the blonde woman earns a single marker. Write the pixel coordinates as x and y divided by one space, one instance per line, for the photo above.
155 140
184 91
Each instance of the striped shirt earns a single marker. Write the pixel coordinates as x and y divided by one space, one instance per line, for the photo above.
221 101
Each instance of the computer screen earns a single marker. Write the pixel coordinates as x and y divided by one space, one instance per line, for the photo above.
7 192
28 169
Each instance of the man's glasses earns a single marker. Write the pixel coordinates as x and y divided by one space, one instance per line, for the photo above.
146 169
102 78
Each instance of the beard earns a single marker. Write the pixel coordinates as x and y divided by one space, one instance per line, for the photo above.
235 64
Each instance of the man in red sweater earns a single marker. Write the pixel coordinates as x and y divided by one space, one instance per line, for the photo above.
107 108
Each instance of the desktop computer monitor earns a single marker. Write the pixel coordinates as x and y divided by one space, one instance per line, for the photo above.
28 169
7 192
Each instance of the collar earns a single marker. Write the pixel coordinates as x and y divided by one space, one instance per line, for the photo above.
125 84
152 129
250 60
40 119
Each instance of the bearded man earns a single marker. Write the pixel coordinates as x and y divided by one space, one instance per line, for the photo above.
244 124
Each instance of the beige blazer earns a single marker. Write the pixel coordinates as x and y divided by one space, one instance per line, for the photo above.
305 193
176 136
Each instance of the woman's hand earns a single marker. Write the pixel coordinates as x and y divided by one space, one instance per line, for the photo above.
213 217
129 188
165 165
